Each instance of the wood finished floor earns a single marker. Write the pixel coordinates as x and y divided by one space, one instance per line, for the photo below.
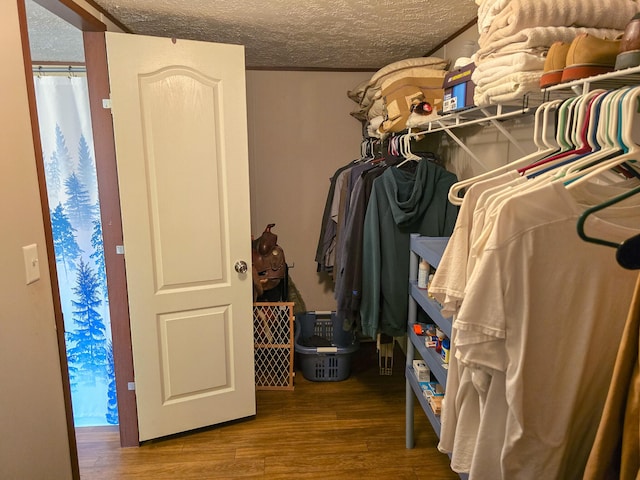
352 429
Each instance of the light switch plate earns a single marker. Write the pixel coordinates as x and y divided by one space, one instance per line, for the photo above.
31 263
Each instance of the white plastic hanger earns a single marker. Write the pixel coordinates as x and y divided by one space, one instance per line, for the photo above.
605 134
575 117
543 137
630 133
405 150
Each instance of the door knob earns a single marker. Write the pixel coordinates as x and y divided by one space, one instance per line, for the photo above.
241 266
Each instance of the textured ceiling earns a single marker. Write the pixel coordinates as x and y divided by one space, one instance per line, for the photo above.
350 34
51 39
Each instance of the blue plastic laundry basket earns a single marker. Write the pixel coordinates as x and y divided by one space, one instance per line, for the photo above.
324 349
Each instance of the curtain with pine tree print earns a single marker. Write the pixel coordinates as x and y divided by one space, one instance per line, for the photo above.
67 146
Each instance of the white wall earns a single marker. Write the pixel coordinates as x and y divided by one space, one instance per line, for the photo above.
33 442
300 132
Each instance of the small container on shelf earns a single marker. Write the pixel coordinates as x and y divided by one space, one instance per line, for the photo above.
423 274
436 404
431 341
444 351
431 389
423 374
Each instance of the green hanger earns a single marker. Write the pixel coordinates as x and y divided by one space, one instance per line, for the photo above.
628 252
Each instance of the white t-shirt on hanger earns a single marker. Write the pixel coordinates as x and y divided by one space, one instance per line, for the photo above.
552 307
461 411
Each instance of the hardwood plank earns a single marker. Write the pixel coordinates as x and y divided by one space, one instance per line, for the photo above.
352 429
278 449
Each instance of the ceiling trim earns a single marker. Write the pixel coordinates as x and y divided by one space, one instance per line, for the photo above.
451 37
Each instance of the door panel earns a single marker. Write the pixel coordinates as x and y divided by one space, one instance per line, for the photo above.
181 145
175 184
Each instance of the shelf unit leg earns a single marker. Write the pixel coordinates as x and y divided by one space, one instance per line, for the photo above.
410 443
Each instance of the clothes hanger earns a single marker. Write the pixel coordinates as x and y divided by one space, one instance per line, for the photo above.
626 133
598 135
565 119
543 118
521 184
577 133
582 134
405 151
627 252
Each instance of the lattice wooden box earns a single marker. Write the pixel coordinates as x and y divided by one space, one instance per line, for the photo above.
273 345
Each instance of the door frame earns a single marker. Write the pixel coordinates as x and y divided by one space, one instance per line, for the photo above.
98 86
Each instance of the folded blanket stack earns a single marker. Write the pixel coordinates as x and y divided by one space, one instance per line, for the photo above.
382 100
515 36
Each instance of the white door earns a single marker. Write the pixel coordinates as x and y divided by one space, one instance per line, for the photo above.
179 114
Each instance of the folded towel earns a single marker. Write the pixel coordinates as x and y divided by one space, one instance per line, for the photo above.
521 14
487 13
536 37
510 89
493 68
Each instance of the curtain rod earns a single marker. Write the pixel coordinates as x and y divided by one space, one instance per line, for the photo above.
44 69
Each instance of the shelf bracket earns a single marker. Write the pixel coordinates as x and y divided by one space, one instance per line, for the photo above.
462 145
504 132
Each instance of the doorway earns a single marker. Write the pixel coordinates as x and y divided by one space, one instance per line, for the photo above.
63 15
233 370
70 173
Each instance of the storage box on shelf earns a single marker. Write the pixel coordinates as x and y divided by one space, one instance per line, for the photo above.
431 250
458 89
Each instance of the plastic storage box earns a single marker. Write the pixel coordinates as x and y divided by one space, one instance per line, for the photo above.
324 349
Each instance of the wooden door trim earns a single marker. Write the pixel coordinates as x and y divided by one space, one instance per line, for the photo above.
105 155
48 233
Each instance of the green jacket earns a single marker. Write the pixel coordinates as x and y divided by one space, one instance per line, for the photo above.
401 202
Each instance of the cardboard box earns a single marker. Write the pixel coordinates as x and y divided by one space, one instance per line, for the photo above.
436 404
458 89
431 389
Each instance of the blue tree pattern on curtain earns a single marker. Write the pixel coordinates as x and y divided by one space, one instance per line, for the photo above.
87 343
65 243
78 205
112 399
98 256
60 156
87 167
79 252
